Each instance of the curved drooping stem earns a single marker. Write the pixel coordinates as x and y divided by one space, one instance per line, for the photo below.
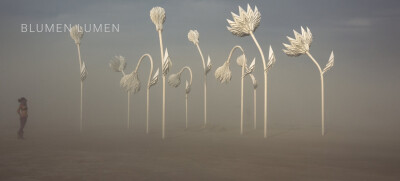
148 86
186 93
80 67
265 83
205 83
322 92
163 84
241 81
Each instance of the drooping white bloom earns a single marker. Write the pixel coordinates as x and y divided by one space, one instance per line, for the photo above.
193 36
246 22
223 73
76 33
188 87
174 80
157 15
118 63
130 82
241 60
300 44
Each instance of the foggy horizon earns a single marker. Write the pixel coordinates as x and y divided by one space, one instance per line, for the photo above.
361 90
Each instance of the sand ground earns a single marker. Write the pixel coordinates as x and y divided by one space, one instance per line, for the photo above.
213 153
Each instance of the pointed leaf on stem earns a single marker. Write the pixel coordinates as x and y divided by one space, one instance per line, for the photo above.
166 63
208 68
83 72
271 58
330 63
154 80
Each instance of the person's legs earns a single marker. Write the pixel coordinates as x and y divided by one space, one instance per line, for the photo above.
21 128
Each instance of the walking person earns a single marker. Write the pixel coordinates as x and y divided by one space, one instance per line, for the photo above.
23 116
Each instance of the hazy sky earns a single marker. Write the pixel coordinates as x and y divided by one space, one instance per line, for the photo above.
361 90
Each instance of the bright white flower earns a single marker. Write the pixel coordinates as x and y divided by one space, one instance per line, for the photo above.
118 63
193 36
300 44
131 82
157 15
76 33
223 73
244 23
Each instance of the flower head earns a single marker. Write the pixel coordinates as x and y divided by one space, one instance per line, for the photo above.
157 15
174 80
193 36
118 63
188 87
244 23
131 82
223 73
76 33
300 44
241 60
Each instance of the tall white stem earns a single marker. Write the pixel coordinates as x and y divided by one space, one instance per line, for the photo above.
241 99
322 93
163 80
265 84
147 113
205 84
81 123
80 67
255 108
186 101
148 85
128 122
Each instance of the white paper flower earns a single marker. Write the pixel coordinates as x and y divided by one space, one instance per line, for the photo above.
130 82
244 23
300 44
193 36
76 33
118 63
157 15
223 73
174 80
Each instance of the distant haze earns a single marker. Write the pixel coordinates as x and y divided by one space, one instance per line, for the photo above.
362 90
